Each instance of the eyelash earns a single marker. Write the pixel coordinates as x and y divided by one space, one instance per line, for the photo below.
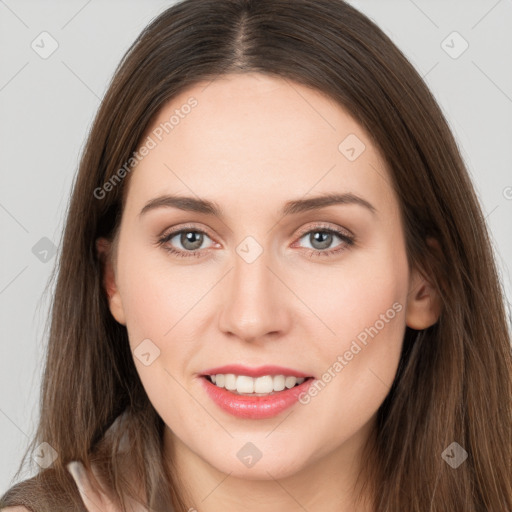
347 239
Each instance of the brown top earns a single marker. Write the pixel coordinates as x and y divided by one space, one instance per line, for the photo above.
41 492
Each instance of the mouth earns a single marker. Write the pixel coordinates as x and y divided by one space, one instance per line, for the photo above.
245 385
255 393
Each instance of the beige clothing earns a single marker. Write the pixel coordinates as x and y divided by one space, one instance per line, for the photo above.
96 500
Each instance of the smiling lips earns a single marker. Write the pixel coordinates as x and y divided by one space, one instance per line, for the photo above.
254 393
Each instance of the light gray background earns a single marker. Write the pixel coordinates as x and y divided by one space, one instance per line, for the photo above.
47 106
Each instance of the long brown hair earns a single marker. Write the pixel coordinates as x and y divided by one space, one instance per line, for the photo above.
454 381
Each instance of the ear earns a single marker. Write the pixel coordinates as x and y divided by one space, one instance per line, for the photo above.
103 249
423 302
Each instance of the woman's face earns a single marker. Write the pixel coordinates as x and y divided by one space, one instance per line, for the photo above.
275 276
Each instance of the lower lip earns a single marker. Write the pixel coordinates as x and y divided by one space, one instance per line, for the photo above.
255 407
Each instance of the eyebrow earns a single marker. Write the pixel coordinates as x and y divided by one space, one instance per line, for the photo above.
294 207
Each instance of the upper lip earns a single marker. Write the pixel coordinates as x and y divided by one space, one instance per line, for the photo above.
260 371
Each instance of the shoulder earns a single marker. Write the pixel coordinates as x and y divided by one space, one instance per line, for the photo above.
48 490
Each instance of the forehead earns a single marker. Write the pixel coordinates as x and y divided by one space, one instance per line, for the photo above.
255 134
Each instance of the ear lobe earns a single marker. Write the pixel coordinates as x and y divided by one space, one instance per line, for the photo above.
423 302
103 250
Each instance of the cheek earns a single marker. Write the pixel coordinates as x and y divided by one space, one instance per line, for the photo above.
367 314
157 296
162 308
158 304
359 300
359 370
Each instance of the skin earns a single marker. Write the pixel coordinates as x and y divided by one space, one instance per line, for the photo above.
250 145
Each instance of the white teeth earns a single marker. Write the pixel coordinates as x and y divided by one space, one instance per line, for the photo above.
264 384
279 381
290 382
230 382
243 384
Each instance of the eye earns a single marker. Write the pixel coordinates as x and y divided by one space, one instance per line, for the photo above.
191 241
322 238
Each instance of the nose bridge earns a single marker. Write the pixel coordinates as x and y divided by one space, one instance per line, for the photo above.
254 304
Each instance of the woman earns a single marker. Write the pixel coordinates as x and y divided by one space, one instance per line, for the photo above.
195 360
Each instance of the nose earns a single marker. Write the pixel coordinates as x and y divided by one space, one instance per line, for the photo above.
255 303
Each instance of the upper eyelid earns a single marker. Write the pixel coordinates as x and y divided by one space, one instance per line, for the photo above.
325 227
175 231
193 227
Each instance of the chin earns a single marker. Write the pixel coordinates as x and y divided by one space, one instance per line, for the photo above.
266 468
